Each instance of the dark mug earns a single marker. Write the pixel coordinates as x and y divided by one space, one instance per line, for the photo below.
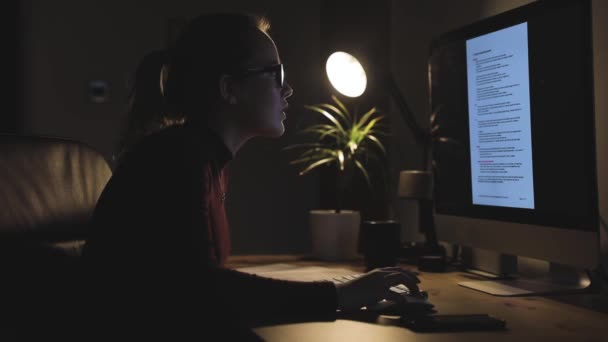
379 242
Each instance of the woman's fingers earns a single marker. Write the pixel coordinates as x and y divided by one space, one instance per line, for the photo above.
395 297
412 278
391 270
397 278
395 268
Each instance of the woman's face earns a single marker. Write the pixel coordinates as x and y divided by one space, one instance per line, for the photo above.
261 101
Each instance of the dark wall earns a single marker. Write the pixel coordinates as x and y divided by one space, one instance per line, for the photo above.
11 39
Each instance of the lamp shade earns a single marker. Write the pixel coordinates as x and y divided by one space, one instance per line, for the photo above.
346 74
416 184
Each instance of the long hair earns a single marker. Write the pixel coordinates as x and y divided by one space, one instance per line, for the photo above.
181 84
147 109
208 47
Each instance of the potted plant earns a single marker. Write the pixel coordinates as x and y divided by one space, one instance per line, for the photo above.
347 142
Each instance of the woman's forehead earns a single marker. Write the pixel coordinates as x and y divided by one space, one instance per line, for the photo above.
264 51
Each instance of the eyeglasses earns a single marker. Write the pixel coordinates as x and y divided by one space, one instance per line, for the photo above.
277 69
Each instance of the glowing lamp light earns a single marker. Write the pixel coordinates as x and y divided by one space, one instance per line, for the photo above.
346 74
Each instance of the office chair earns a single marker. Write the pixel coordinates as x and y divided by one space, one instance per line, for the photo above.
48 190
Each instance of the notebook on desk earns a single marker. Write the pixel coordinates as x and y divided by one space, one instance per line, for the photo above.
297 273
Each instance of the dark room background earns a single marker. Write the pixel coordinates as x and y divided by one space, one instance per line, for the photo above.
64 45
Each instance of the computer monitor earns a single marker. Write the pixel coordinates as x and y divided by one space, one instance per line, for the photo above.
514 94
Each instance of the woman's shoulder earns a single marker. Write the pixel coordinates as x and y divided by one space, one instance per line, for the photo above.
173 145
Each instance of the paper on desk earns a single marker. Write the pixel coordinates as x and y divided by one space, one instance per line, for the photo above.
297 273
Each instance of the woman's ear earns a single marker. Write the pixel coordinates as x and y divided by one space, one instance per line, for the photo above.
227 90
164 73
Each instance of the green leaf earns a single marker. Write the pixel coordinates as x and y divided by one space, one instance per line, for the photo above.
378 132
315 165
352 146
340 156
365 117
322 133
364 171
291 147
330 132
315 154
328 116
318 126
335 110
318 150
341 105
377 141
323 152
370 125
305 160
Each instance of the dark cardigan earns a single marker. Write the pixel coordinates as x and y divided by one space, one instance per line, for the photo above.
160 231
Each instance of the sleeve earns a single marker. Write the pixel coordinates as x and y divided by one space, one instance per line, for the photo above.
260 300
176 217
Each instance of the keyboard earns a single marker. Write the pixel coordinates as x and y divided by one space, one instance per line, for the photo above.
412 302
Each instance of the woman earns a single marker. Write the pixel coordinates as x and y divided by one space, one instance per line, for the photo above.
160 227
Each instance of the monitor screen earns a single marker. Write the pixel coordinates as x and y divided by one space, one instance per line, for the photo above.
517 98
514 101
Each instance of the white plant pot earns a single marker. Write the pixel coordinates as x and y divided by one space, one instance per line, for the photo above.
335 236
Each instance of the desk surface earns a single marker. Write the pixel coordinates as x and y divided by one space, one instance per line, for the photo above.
532 318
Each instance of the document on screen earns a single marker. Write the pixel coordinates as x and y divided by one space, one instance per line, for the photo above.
498 82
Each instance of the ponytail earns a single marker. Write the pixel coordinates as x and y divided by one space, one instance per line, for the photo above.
147 111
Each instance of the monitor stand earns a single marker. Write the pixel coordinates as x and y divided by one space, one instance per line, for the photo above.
532 277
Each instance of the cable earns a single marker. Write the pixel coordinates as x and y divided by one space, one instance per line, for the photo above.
603 269
603 274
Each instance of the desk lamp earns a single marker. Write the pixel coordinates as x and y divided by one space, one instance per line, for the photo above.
347 76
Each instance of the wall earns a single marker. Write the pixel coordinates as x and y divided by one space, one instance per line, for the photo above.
67 43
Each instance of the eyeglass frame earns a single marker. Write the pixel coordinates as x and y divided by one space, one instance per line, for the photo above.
277 69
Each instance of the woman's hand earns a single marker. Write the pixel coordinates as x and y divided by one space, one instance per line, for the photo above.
374 286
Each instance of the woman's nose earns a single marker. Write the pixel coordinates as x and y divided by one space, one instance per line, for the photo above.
287 90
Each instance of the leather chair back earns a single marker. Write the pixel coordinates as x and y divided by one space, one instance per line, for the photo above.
48 190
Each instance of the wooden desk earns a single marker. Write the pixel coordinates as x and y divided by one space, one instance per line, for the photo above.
528 318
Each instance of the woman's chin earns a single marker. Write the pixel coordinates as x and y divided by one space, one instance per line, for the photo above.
274 131
279 131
